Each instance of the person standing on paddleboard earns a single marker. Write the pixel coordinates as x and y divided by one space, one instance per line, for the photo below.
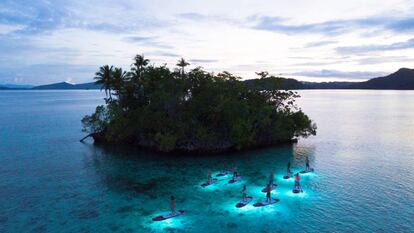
209 177
244 192
288 168
172 202
307 164
297 178
234 173
268 193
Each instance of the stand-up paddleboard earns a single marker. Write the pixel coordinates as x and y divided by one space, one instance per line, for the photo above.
243 203
288 175
235 180
223 173
307 171
273 186
213 181
169 215
265 203
297 189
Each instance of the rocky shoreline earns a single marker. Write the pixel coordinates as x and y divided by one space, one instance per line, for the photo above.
99 139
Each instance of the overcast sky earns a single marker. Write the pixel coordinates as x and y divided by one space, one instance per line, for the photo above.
319 40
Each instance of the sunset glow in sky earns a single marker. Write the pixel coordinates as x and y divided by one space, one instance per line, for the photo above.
320 40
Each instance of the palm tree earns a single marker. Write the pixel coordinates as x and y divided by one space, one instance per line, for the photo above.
182 63
263 74
118 79
140 62
104 78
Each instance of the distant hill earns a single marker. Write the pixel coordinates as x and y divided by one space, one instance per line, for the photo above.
293 84
62 85
275 83
68 86
403 79
327 85
88 86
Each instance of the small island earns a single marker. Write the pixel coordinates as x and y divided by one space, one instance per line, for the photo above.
165 110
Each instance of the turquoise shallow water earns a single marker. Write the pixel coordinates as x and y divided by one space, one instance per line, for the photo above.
363 156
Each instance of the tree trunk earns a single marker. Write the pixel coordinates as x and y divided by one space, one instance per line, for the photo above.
83 139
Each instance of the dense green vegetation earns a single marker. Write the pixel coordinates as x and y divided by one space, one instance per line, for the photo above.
154 107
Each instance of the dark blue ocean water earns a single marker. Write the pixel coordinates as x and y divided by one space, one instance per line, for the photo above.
363 156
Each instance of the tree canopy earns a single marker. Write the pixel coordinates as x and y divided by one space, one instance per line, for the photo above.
153 107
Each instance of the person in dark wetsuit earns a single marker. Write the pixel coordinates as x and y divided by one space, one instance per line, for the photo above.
244 192
235 175
307 164
297 179
172 202
288 169
268 190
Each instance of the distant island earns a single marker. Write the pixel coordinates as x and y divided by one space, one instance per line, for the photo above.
403 79
68 86
156 108
15 87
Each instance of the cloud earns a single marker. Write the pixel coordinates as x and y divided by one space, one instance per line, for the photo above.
40 16
69 80
401 25
381 60
339 74
140 38
44 16
319 43
376 47
151 41
332 27
193 16
47 73
163 54
317 63
196 17
277 24
9 28
203 60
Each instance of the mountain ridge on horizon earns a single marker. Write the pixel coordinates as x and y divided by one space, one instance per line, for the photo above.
403 79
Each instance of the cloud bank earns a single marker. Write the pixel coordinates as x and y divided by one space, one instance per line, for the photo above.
52 41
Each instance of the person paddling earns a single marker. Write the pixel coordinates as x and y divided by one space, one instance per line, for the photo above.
288 169
307 164
268 193
235 173
209 177
244 192
297 187
297 179
172 214
172 202
288 173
